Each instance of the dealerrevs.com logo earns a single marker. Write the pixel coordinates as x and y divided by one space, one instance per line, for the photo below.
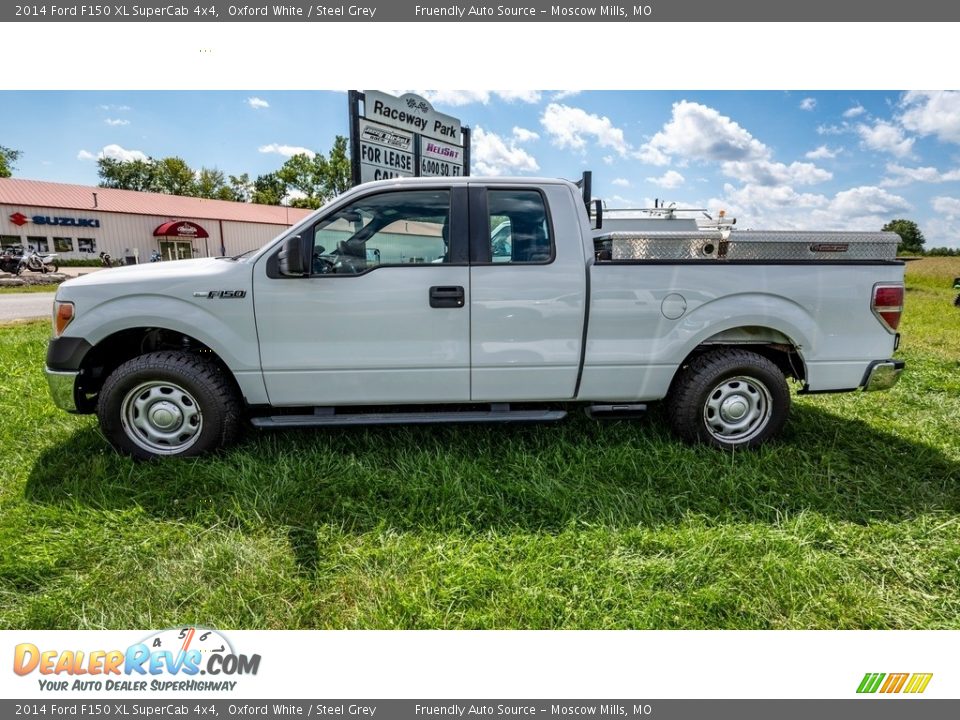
172 659
892 683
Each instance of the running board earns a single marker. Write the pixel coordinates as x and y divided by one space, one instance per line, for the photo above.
324 418
615 411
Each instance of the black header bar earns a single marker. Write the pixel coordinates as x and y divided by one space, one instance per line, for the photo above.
646 11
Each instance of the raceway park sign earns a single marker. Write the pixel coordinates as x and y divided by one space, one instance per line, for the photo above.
411 112
404 137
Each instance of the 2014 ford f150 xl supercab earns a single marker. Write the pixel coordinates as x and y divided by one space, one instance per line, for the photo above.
474 300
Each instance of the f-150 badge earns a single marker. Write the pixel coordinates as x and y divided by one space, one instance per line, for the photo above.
223 294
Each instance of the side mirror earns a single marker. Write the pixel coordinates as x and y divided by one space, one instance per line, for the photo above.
290 260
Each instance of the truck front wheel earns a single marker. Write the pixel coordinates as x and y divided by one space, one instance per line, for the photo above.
729 398
168 404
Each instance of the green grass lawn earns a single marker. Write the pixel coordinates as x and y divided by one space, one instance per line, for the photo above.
852 520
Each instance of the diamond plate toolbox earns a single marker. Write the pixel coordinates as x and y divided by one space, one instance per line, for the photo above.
760 245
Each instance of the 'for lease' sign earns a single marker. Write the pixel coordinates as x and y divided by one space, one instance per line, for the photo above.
384 152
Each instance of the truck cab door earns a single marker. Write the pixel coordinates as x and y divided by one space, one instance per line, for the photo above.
527 293
383 317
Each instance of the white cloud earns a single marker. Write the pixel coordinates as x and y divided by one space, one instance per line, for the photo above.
621 182
286 150
116 122
948 206
833 129
783 208
86 155
943 231
886 137
700 132
468 97
867 201
492 155
856 111
257 103
652 156
898 175
571 127
670 179
933 113
527 96
523 135
116 108
823 153
115 152
761 199
562 94
766 172
808 103
608 159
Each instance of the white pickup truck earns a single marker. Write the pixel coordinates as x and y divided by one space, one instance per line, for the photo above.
476 300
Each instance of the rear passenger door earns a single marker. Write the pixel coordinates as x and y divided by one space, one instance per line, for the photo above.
527 293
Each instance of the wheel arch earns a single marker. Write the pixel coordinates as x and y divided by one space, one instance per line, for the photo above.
123 345
764 340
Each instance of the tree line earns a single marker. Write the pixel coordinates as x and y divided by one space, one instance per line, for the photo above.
302 181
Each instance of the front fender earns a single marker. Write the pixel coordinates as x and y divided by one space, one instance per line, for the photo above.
230 334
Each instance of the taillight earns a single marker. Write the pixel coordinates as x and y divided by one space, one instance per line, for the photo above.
62 315
887 304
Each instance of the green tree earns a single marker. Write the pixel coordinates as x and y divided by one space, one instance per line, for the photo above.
209 183
317 179
175 177
304 175
241 187
268 189
128 174
8 158
338 168
911 239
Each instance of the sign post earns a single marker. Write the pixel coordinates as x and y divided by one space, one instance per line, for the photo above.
404 137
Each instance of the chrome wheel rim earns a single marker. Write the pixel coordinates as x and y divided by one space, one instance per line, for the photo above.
161 417
737 409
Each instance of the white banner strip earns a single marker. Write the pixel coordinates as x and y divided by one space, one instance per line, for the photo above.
451 664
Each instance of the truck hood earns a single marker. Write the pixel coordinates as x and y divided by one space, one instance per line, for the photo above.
158 272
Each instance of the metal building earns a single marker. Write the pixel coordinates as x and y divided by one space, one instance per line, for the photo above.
77 221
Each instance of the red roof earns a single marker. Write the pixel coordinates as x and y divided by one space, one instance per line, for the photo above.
14 191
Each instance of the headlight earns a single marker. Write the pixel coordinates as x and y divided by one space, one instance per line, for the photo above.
62 315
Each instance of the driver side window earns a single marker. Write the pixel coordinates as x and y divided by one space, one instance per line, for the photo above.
391 228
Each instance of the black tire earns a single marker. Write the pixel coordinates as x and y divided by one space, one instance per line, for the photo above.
729 398
168 404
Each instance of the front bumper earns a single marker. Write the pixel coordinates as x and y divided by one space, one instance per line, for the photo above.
882 375
62 388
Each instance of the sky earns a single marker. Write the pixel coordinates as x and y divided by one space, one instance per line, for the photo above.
826 160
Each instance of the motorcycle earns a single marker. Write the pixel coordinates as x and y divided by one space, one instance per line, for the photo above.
10 260
956 286
155 256
35 262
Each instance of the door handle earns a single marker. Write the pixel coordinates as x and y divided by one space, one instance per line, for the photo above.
447 296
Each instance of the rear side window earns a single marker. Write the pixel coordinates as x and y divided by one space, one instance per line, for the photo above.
519 231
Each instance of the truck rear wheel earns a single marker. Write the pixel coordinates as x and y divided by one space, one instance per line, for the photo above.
171 404
729 398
